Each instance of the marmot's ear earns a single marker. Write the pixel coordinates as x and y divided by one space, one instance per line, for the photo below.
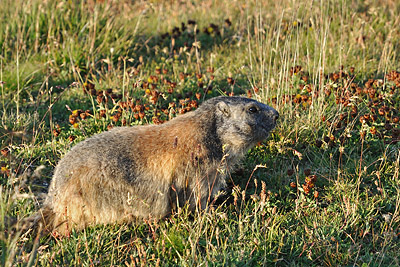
223 108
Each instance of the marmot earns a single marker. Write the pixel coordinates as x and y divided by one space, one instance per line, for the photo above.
146 171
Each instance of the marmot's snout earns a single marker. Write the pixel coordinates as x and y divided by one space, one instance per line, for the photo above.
274 115
271 117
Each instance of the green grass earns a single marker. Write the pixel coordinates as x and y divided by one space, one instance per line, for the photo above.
323 190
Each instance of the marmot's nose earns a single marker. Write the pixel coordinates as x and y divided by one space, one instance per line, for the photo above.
275 115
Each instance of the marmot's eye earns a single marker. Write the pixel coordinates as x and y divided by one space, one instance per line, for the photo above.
253 110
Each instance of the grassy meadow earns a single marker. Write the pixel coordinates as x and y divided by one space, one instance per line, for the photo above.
323 190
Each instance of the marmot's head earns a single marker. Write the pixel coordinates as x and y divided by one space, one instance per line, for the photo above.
242 122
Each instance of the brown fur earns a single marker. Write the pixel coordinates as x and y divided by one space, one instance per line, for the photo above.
147 171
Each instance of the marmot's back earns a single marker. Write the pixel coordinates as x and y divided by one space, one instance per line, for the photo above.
146 171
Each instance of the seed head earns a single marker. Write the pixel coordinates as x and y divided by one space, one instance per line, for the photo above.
306 188
230 80
5 152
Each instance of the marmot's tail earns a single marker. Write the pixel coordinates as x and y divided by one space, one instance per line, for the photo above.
40 222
